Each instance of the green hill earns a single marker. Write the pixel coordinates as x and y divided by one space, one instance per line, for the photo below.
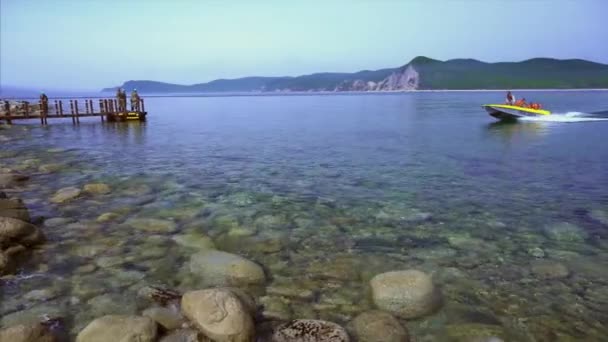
420 73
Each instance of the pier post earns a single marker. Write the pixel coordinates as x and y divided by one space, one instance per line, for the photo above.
86 107
56 108
143 109
76 106
72 111
116 108
60 108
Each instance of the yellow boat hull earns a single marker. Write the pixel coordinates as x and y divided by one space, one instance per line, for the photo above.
508 112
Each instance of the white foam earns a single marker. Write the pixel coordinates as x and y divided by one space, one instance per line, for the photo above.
564 117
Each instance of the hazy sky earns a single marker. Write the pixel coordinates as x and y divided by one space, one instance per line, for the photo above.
90 44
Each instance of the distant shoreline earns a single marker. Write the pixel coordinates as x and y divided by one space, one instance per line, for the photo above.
303 93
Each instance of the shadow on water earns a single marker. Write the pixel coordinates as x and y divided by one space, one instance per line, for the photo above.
510 130
127 130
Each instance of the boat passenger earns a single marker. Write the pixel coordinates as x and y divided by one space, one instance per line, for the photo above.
510 98
520 103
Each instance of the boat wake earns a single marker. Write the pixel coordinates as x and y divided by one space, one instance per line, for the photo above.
567 117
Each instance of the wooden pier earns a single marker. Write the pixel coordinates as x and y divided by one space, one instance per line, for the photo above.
107 109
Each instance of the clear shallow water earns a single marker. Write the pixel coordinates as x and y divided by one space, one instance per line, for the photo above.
328 184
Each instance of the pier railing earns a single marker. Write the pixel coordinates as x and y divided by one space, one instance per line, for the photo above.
65 108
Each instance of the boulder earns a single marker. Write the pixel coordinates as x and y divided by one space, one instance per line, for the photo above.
116 328
219 314
407 294
66 194
310 330
221 268
14 230
35 332
97 188
378 326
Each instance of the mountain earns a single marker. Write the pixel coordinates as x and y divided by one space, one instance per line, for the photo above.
420 73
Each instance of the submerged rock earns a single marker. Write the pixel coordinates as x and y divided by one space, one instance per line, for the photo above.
185 335
49 168
309 330
474 332
152 225
105 217
194 240
11 179
546 269
565 232
111 304
219 314
116 328
35 332
57 221
13 230
407 294
165 317
378 326
221 268
600 216
536 252
275 308
66 194
14 208
97 188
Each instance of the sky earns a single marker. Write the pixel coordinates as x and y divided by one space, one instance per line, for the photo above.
92 44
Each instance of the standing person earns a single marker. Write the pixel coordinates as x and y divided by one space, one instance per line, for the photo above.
510 98
118 98
44 103
122 103
134 100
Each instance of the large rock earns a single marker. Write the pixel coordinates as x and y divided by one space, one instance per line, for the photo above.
116 328
152 225
221 268
378 326
13 230
66 194
407 294
310 330
35 332
219 314
20 214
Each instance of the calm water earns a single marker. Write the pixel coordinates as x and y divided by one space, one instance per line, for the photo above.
333 190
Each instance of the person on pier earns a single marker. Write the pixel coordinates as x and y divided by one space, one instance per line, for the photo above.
44 103
121 96
134 100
